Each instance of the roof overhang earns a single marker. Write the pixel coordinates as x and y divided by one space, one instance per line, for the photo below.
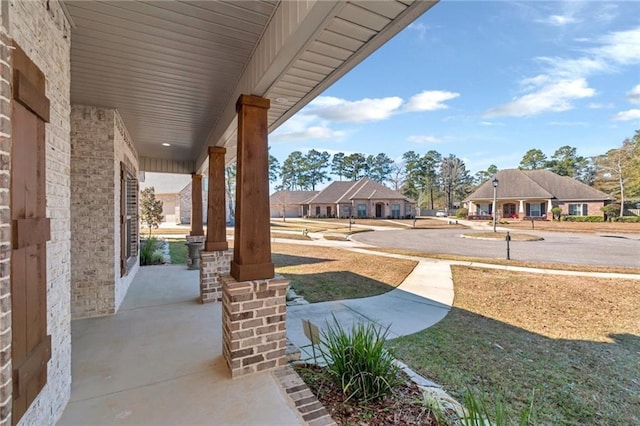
174 70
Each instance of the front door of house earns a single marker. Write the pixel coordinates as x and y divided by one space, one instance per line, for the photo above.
30 230
378 210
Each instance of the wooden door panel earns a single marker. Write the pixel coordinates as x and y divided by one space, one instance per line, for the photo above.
31 346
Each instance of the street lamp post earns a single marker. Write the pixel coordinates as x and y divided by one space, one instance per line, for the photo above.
495 190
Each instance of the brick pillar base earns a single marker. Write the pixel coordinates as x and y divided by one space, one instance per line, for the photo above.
253 324
213 266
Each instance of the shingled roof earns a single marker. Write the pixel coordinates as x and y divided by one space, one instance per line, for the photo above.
292 197
527 184
363 189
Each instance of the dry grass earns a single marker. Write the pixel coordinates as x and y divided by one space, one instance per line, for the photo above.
613 227
557 266
289 236
322 273
502 236
570 342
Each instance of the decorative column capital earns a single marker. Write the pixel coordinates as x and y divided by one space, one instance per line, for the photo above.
252 100
217 150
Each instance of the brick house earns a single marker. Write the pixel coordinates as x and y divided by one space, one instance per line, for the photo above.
363 198
290 203
527 194
94 93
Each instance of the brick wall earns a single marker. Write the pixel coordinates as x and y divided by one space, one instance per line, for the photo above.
593 207
213 266
92 203
42 31
99 143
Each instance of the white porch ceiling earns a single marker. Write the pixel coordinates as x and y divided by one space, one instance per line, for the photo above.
174 69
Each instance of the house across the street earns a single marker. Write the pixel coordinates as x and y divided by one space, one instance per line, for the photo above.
531 194
363 198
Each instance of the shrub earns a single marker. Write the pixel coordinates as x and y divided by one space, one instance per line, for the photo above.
583 218
556 212
627 219
359 362
479 413
148 255
611 210
462 213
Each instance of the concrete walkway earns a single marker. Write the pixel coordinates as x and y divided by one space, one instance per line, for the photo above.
158 361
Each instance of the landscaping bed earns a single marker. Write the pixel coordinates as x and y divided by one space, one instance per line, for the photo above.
402 408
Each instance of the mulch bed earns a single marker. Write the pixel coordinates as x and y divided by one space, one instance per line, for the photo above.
402 408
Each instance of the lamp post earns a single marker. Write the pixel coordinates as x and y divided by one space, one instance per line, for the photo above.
493 210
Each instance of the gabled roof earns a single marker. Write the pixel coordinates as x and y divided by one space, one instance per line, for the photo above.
527 184
363 189
292 197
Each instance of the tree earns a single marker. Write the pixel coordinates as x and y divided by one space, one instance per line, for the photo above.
422 174
230 188
337 164
380 167
616 169
292 172
316 164
397 175
566 162
533 159
355 166
274 168
150 208
484 175
455 179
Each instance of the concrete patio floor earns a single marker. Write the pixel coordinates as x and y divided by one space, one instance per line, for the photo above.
159 361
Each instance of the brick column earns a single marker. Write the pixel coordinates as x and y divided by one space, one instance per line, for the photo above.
196 205
216 211
253 324
252 245
213 266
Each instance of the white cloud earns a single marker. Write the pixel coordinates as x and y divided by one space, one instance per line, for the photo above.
425 139
491 123
569 123
550 96
634 95
596 105
419 28
558 20
312 132
430 100
632 114
341 110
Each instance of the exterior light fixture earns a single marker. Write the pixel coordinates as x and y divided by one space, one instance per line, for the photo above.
495 190
166 144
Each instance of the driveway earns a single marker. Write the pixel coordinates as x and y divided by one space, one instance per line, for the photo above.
570 248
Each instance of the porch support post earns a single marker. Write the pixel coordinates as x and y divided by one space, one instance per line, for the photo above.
471 209
252 245
549 207
215 259
196 205
521 208
216 211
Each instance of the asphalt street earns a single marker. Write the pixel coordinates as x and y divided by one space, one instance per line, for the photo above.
557 247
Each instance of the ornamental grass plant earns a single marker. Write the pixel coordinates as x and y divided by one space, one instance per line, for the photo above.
358 361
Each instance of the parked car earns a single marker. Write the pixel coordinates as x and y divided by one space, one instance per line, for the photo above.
441 213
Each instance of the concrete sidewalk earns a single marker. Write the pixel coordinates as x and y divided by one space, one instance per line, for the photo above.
423 299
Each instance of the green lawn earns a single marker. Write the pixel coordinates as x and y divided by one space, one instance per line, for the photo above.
178 252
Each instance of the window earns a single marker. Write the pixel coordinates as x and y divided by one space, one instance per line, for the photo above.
317 210
395 211
328 211
346 211
484 209
534 210
362 210
578 210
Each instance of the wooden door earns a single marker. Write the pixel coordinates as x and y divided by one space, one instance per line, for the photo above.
30 345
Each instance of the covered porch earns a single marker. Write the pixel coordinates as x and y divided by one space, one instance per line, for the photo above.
159 361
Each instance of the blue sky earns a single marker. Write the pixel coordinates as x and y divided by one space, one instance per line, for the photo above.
486 81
